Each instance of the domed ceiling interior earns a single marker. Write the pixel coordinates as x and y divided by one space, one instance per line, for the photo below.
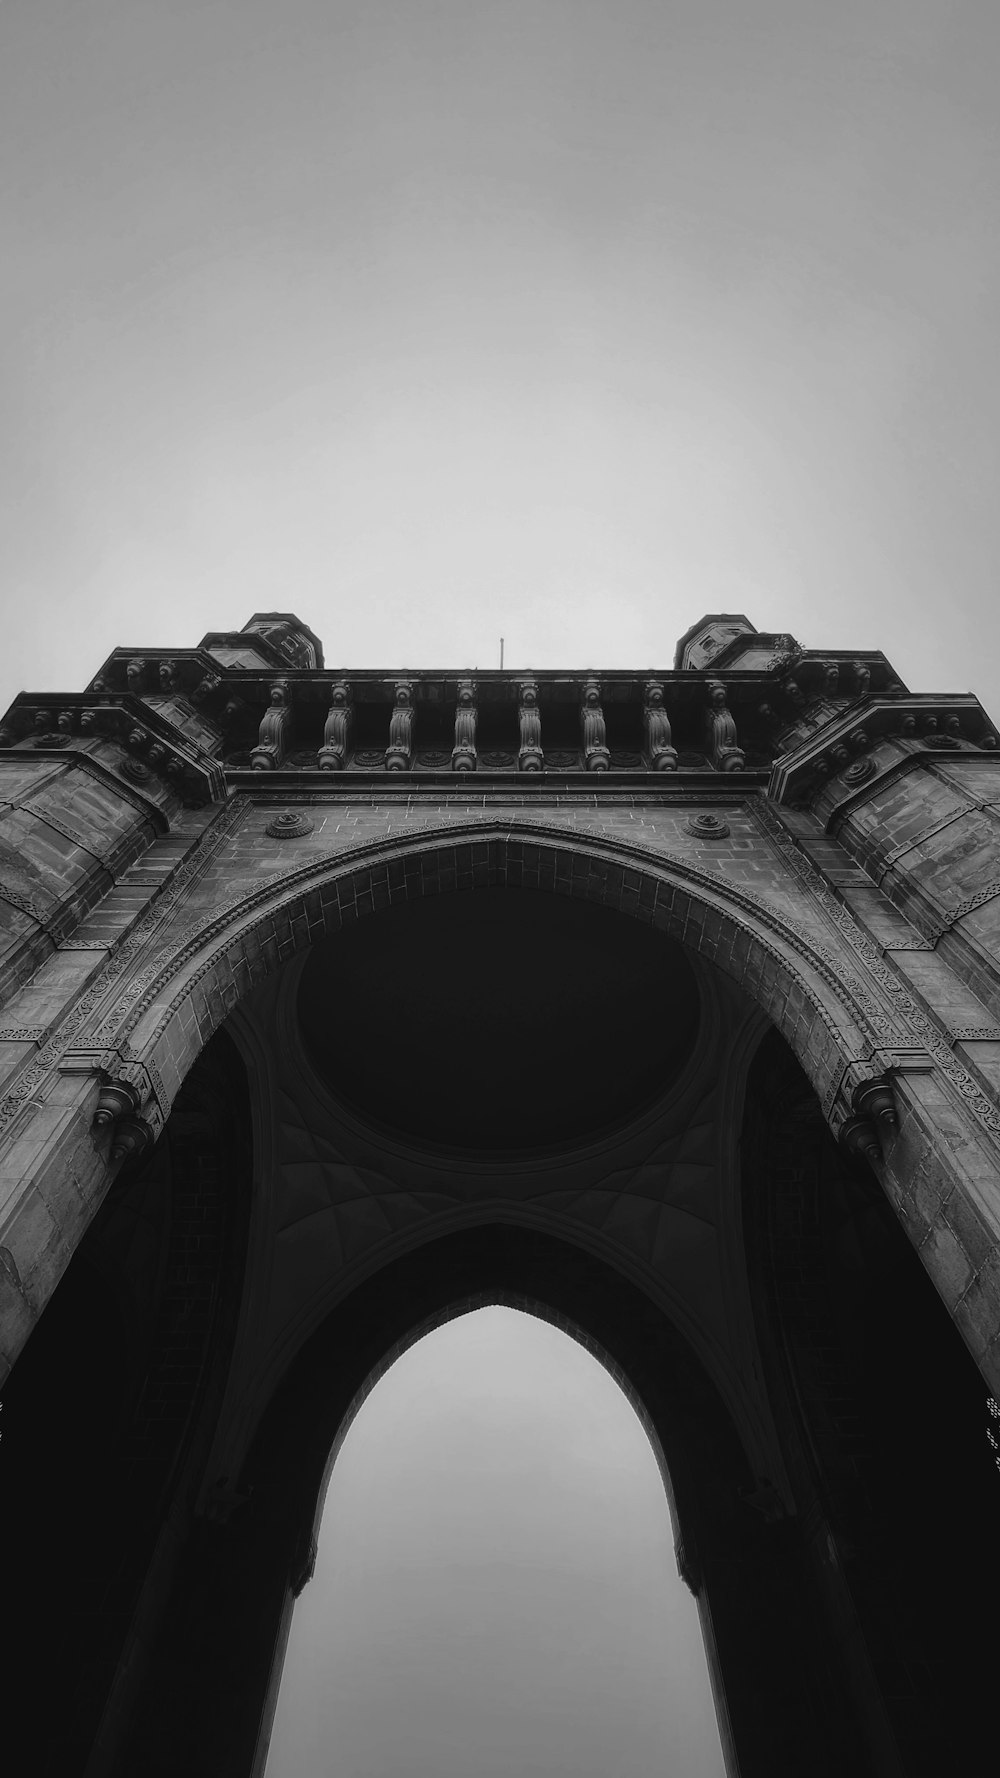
498 1021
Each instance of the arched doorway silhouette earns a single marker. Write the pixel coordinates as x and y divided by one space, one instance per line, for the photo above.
234 1591
496 1588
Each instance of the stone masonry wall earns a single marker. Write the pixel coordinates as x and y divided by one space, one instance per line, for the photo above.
764 893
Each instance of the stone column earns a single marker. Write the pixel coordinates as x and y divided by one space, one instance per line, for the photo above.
596 757
332 756
464 755
720 731
658 753
530 757
272 742
399 753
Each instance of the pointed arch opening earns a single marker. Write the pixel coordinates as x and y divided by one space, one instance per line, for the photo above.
496 1587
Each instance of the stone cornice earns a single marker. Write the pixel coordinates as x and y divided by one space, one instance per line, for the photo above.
921 723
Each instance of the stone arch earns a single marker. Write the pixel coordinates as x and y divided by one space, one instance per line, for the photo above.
177 1004
214 1669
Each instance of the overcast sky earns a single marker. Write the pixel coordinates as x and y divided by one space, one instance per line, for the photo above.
432 319
496 1594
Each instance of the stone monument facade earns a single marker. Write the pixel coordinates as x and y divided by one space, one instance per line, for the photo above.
665 1004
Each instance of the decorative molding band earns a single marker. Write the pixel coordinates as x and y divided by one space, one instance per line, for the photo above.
17 899
988 892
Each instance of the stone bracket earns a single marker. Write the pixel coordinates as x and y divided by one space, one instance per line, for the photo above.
873 1122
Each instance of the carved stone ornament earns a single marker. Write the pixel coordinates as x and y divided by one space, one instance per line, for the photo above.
168 676
497 762
875 1120
135 674
561 759
272 740
332 756
132 1136
720 731
205 687
432 759
660 754
829 679
530 757
860 1138
707 827
860 770
596 757
861 676
399 753
369 759
463 756
134 769
288 825
874 1099
118 1112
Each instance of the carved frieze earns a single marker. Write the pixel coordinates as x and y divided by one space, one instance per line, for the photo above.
332 756
399 753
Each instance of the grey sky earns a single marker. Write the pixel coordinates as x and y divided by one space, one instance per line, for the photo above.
496 1594
560 318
